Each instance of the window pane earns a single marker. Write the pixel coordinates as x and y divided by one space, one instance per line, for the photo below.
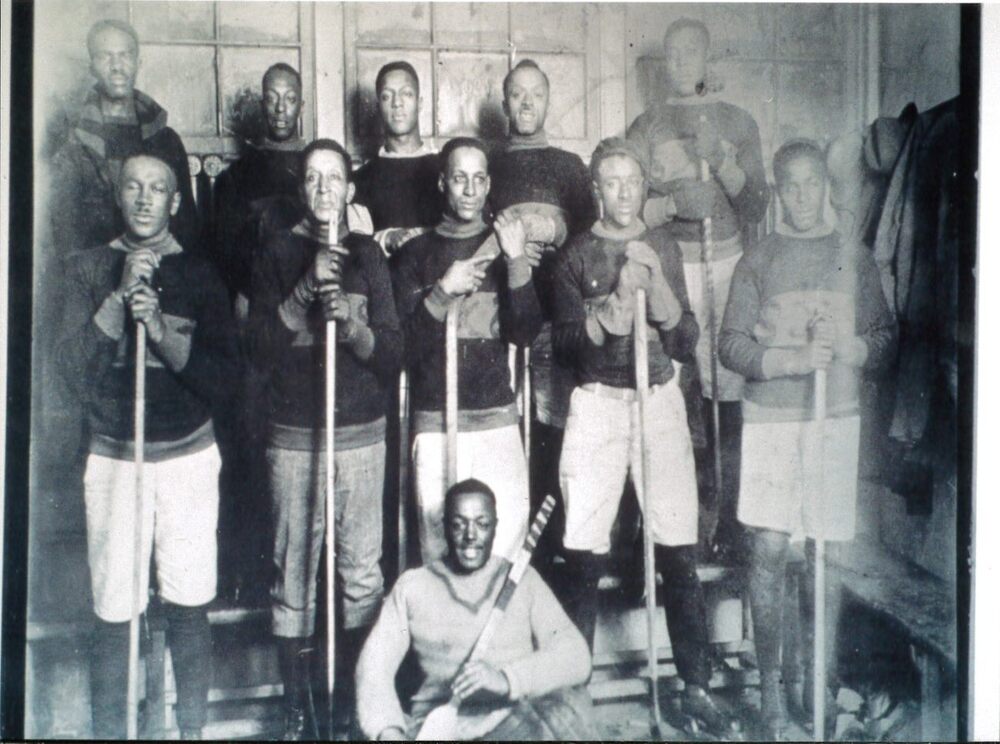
567 95
554 26
393 23
368 132
470 24
171 21
259 21
469 95
240 73
182 80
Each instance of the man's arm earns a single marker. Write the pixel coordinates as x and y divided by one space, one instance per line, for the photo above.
386 352
378 706
751 201
269 336
876 327
738 347
678 342
574 328
421 306
520 312
579 198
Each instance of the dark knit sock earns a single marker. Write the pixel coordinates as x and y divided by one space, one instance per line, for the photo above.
109 679
579 595
293 661
768 552
684 602
190 640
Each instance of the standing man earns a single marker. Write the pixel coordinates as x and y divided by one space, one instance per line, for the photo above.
690 126
549 189
300 282
145 276
498 307
116 122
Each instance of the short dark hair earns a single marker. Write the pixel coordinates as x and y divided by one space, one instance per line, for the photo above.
616 147
103 25
455 144
466 487
524 64
793 150
398 65
325 144
281 67
170 168
688 23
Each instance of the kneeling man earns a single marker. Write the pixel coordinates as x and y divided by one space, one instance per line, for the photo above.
524 685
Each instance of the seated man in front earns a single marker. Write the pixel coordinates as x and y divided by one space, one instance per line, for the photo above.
523 686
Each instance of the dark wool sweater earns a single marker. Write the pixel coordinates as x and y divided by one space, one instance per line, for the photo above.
491 318
586 274
400 192
101 370
85 170
545 175
778 287
242 193
666 131
293 361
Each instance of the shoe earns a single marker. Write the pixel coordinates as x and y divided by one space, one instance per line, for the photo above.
191 734
705 715
295 724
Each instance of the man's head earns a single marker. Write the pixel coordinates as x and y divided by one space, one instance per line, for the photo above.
147 196
398 91
801 177
113 47
686 47
526 97
470 524
281 96
464 179
619 181
326 180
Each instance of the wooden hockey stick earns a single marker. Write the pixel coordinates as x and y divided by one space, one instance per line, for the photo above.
330 370
641 341
819 588
451 391
707 251
441 722
132 702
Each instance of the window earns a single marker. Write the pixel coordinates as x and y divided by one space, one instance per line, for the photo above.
462 51
204 62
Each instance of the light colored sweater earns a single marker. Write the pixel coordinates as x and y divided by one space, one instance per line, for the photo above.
440 615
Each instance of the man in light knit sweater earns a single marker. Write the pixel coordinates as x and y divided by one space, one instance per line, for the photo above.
596 281
522 688
689 126
146 277
460 262
549 189
801 301
304 278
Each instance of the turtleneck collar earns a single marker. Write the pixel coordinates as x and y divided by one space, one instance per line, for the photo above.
319 232
424 149
295 144
634 230
163 244
695 100
452 227
535 141
820 231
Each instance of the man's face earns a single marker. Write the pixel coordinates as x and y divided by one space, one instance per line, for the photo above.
114 61
399 103
527 101
147 196
466 183
620 188
325 186
470 526
802 189
686 52
282 104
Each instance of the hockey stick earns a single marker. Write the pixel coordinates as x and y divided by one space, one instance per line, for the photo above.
132 722
642 486
819 588
451 391
440 722
707 249
330 370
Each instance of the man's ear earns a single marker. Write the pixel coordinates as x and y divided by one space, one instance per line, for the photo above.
175 203
420 104
441 186
488 183
506 108
350 193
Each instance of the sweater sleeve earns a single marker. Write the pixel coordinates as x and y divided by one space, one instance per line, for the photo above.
383 321
84 351
875 323
569 331
378 704
520 312
579 197
423 332
678 342
739 350
214 363
269 336
561 657
751 203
